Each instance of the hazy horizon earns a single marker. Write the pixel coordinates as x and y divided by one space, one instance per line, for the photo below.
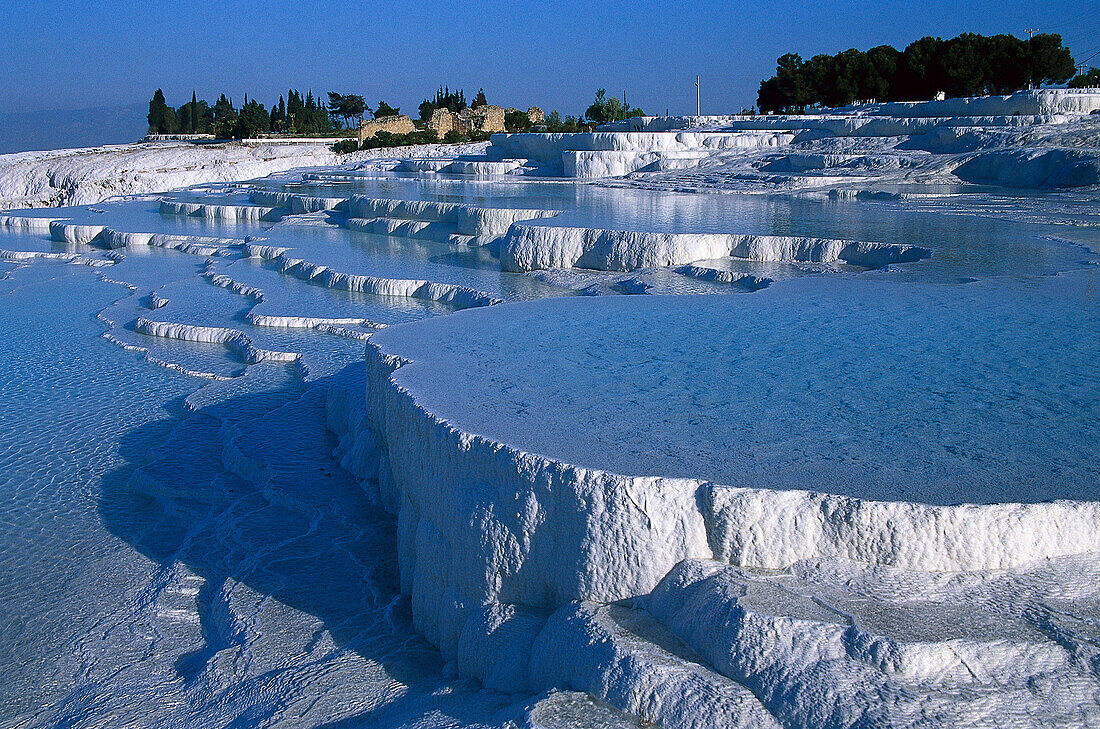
28 131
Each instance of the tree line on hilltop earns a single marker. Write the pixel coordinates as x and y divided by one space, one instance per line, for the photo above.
309 116
292 114
967 65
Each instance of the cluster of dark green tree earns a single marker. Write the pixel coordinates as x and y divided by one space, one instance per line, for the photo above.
1086 80
347 107
194 117
446 99
293 114
568 124
604 110
307 116
968 65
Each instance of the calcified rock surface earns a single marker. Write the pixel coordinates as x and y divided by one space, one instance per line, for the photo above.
1028 140
834 603
530 247
383 443
87 176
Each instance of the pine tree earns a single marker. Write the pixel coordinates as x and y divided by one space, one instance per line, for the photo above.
383 109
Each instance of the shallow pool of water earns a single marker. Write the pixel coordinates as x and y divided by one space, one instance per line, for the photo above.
183 549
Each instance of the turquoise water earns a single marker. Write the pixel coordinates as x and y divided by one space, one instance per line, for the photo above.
179 547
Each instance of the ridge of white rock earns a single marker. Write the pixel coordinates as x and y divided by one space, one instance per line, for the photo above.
454 294
297 204
833 610
27 224
254 249
152 359
550 147
1041 139
841 644
1020 108
631 661
424 230
538 505
590 164
74 234
1038 102
467 219
1032 168
234 339
529 247
192 244
334 325
461 166
90 175
613 154
746 281
74 258
85 176
236 213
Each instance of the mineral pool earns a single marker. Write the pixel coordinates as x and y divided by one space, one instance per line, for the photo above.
182 540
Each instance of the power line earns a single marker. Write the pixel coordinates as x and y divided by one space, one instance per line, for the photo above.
1081 24
1086 59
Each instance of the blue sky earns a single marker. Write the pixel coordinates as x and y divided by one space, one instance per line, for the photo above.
555 54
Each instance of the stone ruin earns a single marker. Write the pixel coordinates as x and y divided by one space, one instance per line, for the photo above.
401 124
487 119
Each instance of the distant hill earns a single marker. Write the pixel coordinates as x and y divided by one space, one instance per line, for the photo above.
25 131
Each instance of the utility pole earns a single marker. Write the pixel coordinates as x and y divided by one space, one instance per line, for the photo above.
1030 32
697 113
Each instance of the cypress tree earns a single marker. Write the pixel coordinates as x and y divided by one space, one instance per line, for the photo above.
162 119
183 114
294 111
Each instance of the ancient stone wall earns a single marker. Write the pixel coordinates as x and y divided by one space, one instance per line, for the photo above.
442 121
488 118
393 124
